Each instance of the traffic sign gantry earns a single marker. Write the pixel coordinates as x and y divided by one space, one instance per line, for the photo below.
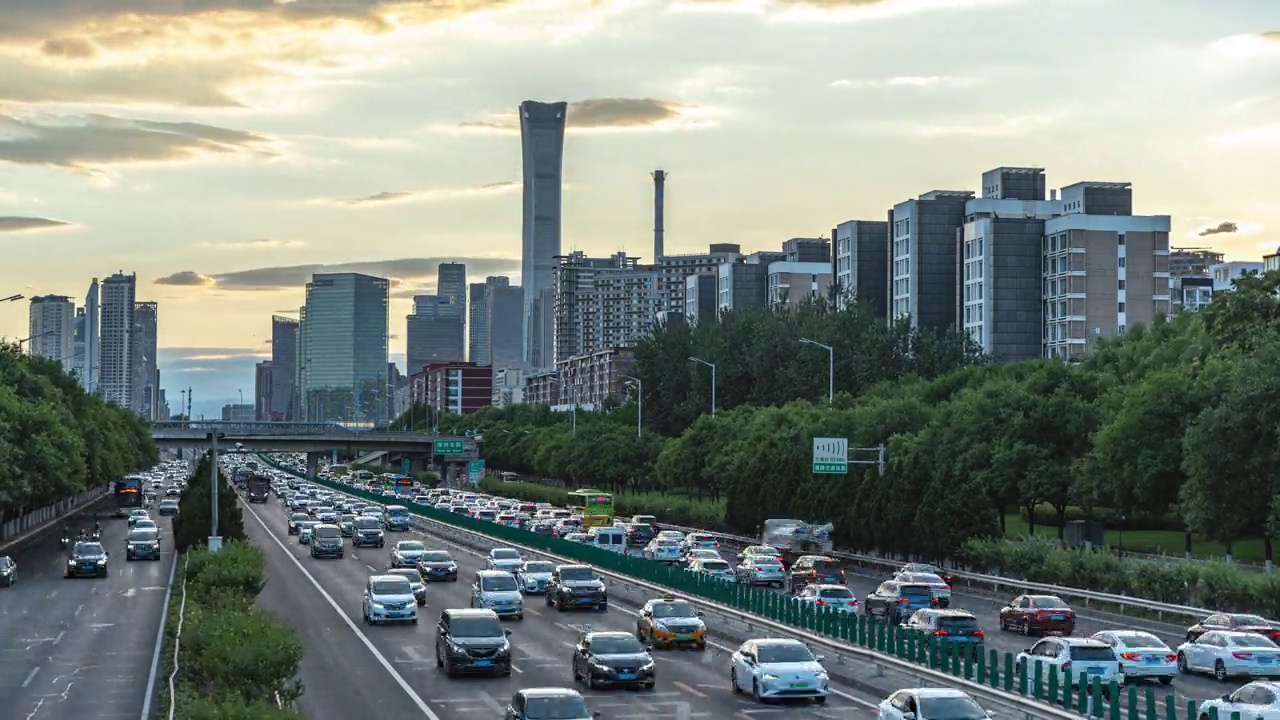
450 447
831 456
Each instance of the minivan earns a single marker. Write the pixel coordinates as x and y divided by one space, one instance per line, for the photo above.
613 539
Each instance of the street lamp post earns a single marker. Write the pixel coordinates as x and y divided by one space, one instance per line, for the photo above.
831 368
11 298
24 341
639 402
215 540
713 382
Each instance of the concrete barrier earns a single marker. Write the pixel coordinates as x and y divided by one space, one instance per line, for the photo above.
15 531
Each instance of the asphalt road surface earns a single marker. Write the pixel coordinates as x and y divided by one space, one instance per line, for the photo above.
80 648
352 670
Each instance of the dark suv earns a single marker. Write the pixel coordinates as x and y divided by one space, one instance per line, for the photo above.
813 570
576 586
472 641
896 601
368 533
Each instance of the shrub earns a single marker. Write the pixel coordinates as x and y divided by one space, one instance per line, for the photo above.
1047 517
194 521
236 574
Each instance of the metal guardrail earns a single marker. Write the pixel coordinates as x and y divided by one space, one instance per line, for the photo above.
177 643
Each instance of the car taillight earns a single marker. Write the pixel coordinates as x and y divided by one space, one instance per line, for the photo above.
1066 665
979 633
821 602
902 601
813 574
941 632
1131 657
1171 657
933 601
1242 655
853 603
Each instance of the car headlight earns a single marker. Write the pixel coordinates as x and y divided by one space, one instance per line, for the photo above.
768 677
72 561
374 604
647 667
661 626
102 561
823 676
595 665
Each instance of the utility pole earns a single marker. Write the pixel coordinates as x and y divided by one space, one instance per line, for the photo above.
831 368
189 396
215 540
713 382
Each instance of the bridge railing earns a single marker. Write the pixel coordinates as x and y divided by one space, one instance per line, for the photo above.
257 428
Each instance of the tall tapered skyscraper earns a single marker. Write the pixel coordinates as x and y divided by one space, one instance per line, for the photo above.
542 140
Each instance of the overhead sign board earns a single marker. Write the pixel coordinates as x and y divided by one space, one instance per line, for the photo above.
475 469
831 456
450 447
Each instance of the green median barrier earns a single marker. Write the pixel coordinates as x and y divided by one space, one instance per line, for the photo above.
1082 697
1131 702
1010 673
982 678
1095 698
1052 689
864 639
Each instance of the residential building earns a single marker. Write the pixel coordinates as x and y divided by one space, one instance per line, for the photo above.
1270 262
343 347
263 378
146 370
460 388
79 366
236 412
117 336
1192 292
923 258
807 250
436 333
743 285
395 381
542 144
51 328
286 401
542 388
508 386
603 303
504 305
862 263
675 270
700 298
90 377
1225 274
792 283
1192 261
587 381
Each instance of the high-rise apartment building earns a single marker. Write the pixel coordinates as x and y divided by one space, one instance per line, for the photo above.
604 303
78 364
862 263
262 390
91 353
436 333
343 363
285 398
542 143
744 285
116 348
51 327
677 269
700 299
504 306
923 258
146 370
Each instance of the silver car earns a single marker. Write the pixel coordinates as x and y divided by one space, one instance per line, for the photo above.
505 559
497 590
407 553
534 576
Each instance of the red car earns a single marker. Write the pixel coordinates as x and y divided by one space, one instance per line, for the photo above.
1235 622
1038 615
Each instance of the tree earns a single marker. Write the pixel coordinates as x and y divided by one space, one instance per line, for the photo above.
194 522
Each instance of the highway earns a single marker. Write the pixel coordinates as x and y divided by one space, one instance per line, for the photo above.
80 648
352 670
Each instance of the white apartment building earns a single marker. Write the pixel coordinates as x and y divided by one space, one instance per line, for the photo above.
508 387
51 329
792 283
116 357
1224 274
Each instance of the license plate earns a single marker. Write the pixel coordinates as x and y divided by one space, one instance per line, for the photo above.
483 663
800 685
1266 660
626 676
1057 617
1153 659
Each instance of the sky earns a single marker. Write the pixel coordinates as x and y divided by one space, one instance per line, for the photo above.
226 149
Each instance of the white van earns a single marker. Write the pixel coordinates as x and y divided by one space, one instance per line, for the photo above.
612 539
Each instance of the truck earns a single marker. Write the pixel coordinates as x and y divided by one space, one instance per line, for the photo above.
259 489
794 538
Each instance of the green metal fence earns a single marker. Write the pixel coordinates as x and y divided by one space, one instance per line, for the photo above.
997 670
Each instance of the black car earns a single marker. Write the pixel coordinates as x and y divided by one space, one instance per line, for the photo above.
472 641
639 534
368 533
295 522
326 541
576 586
142 544
611 659
87 558
547 702
8 571
813 570
437 565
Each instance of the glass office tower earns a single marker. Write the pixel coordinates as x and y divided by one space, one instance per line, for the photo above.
343 349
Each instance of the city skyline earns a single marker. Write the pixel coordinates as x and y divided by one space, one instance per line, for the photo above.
1171 99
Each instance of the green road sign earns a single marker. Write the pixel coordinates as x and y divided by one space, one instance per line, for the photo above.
450 447
831 456
476 469
406 466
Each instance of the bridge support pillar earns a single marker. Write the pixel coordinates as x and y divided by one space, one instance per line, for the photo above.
313 464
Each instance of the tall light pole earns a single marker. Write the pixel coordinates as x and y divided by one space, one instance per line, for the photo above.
24 341
11 298
639 402
215 540
831 368
713 382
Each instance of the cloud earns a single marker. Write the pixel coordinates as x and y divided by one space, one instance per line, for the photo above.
960 126
1250 46
206 354
186 278
84 142
16 224
1219 229
1256 135
403 196
818 11
606 114
922 82
77 48
257 244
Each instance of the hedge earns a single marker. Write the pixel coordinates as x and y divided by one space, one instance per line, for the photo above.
673 509
1047 517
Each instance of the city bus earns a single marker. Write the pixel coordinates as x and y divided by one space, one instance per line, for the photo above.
596 507
127 494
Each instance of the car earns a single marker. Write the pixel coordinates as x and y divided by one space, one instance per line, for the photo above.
146 524
347 524
142 544
829 597
472 641
915 567
295 522
406 553
941 590
389 598
415 581
931 704
1143 656
504 559
701 541
138 514
548 703
771 668
576 586
327 515
534 576
1088 659
326 541
1228 654
697 554
1037 615
611 659
437 565
306 531
497 590
167 508
1235 622
1257 700
958 627
808 569
762 570
717 569
663 551
87 558
668 622
8 571
368 533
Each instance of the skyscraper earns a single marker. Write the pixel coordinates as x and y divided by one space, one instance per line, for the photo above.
343 334
263 382
479 334
116 353
436 333
146 373
451 282
92 357
78 364
503 307
51 328
284 369
542 141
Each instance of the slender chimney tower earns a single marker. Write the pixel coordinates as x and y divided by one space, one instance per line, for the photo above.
659 183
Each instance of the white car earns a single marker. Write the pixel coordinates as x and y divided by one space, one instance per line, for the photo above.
778 667
1253 701
1086 657
931 704
407 553
505 559
838 598
1141 654
534 576
664 551
701 541
1230 654
719 569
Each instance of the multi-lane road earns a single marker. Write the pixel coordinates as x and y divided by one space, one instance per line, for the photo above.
80 648
352 670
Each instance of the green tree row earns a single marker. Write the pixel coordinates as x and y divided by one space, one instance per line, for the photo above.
55 439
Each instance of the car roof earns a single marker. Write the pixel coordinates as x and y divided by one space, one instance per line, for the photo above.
936 692
947 612
608 634
493 573
469 612
1241 633
390 578
570 566
1083 642
544 692
777 642
828 586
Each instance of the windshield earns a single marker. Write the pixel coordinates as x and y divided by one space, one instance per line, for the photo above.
620 645
142 536
411 575
1251 640
475 627
298 517
397 512
715 565
840 593
328 532
88 549
436 556
1141 640
1049 601
785 653
538 567
506 554
673 610
951 708
957 624
412 546
399 586
499 584
928 578
577 573
567 707
916 591
348 518
1086 653
368 523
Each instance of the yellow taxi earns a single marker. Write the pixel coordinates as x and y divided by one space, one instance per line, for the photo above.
669 622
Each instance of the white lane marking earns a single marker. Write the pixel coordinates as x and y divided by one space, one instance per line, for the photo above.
59 638
31 676
491 703
377 654
371 568
81 606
